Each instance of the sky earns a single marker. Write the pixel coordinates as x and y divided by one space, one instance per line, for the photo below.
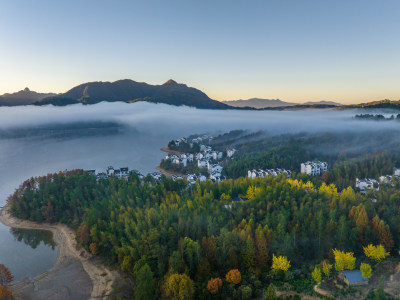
345 50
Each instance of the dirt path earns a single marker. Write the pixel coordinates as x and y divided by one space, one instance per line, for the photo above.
101 277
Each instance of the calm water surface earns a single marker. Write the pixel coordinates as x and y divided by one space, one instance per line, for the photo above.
30 252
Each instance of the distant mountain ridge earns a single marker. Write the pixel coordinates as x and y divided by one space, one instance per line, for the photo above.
272 103
390 104
127 90
23 97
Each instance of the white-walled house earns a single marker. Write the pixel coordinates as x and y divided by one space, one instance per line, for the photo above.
216 155
183 161
202 163
176 177
230 152
190 157
199 156
214 168
314 168
367 184
110 171
264 173
385 179
396 172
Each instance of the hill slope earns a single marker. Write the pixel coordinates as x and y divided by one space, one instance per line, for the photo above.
268 103
391 104
23 97
131 91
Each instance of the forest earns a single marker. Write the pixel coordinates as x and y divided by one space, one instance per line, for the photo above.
180 241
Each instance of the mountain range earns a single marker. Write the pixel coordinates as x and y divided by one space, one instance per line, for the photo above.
269 103
128 90
23 97
170 92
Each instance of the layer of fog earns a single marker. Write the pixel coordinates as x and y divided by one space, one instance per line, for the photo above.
164 119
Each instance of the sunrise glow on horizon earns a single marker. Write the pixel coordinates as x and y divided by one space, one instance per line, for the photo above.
347 52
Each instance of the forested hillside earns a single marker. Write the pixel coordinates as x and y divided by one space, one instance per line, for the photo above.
173 238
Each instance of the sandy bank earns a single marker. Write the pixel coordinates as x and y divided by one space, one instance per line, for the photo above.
169 173
167 150
96 283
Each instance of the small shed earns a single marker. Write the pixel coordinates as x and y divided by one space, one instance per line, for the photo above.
353 277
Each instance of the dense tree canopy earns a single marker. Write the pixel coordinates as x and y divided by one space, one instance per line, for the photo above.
182 236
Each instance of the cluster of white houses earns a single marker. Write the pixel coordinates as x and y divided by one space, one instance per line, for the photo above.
365 184
206 158
314 168
197 140
264 173
113 172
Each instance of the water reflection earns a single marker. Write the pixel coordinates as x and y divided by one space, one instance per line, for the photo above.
33 238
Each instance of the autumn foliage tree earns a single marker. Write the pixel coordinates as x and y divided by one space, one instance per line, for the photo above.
280 263
252 191
234 276
214 284
366 270
178 287
316 274
82 234
326 268
344 260
94 249
5 275
5 294
376 253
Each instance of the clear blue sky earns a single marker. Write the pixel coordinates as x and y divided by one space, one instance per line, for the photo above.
342 50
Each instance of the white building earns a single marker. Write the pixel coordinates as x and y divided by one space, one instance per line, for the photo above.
110 171
180 140
216 155
191 178
367 184
176 177
183 161
314 168
214 168
202 163
264 173
396 172
230 152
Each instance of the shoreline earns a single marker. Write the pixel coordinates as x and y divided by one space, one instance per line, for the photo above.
101 277
167 150
170 173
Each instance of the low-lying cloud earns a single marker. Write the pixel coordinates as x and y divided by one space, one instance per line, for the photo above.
165 119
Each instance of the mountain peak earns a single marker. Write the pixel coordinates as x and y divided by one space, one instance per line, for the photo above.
27 89
171 82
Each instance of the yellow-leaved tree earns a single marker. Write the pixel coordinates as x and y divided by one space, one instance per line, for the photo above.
366 270
376 253
326 268
280 263
344 260
252 191
178 287
316 274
